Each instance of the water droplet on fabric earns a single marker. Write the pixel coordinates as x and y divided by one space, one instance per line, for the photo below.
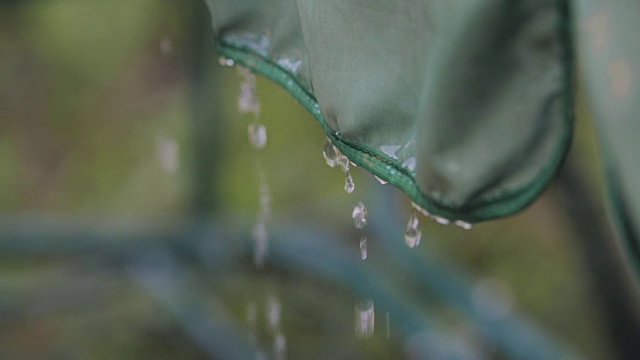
420 209
363 248
349 185
365 319
380 180
413 233
257 135
330 153
410 163
463 224
226 61
390 150
441 220
359 215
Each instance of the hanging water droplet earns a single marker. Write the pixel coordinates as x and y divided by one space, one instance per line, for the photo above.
421 210
365 319
343 161
257 135
463 224
381 180
330 153
349 185
441 220
359 215
363 248
226 61
413 233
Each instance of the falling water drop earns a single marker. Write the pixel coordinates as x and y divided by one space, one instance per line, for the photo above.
363 248
365 319
226 61
330 153
381 180
359 215
349 185
463 224
248 98
260 238
413 233
279 347
257 135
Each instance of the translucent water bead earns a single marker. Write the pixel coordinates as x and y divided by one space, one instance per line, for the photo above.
365 319
334 157
248 101
463 224
330 153
257 135
363 248
349 185
413 233
381 180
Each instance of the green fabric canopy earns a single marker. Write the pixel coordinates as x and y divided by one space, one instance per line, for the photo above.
465 105
608 44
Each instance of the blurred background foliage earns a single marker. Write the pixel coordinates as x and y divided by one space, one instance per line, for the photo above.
114 114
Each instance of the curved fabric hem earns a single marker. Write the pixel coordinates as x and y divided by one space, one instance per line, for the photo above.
496 206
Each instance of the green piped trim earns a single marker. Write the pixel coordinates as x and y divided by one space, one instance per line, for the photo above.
381 165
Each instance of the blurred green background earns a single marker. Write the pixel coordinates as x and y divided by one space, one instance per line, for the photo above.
123 159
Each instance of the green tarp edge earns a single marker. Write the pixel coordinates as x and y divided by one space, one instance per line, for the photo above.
504 204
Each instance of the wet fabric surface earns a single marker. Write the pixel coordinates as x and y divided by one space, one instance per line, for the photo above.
610 57
464 105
